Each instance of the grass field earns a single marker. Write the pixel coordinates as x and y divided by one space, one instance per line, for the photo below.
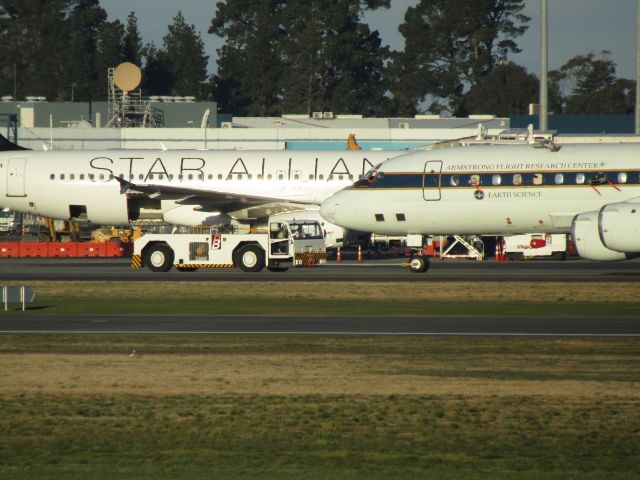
290 407
338 298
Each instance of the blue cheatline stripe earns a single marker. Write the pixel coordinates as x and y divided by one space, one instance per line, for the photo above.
502 179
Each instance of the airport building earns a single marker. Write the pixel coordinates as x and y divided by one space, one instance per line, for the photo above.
196 125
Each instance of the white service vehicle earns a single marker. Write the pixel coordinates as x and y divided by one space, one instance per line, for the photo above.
529 245
299 243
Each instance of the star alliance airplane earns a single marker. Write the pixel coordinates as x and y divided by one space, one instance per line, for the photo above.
590 191
179 187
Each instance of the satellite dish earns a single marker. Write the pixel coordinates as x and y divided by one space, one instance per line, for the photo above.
127 76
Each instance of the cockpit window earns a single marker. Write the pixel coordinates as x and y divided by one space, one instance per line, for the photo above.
370 177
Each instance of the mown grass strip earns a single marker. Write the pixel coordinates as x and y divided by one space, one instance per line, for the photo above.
326 298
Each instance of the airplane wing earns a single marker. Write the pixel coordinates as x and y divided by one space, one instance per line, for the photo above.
208 200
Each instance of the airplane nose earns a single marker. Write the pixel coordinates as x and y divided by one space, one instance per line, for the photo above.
328 209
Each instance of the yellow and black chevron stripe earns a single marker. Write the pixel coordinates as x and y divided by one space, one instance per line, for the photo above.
203 265
136 261
310 258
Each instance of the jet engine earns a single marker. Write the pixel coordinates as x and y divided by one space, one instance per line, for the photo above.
586 235
619 225
187 216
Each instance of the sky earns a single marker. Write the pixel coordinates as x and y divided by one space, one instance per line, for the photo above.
576 27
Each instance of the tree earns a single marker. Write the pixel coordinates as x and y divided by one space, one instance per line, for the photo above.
157 76
449 46
132 49
506 90
298 56
333 61
249 63
184 50
589 86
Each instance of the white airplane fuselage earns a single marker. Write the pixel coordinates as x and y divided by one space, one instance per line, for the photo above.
80 184
500 190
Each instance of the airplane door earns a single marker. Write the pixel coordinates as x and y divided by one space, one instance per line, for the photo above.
431 180
15 177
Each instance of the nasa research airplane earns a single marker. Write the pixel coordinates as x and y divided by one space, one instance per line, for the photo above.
591 191
179 187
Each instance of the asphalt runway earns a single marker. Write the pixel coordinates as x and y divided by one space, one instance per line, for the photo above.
339 325
118 269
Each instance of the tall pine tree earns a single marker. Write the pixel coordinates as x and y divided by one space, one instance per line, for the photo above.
449 46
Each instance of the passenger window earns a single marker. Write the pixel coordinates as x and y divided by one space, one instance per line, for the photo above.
340 177
537 179
62 176
580 178
259 176
101 176
52 176
73 177
249 176
180 177
350 177
455 180
171 176
496 179
622 177
190 176
474 180
311 176
219 176
400 217
210 177
91 176
330 177
559 178
269 177
140 177
239 176
280 177
517 179
321 177
201 176
379 217
296 177
151 176
82 176
160 177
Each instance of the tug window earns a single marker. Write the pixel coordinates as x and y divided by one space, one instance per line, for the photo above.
559 178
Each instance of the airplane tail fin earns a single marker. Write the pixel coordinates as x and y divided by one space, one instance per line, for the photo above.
6 145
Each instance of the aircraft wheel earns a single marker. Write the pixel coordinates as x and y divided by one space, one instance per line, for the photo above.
250 258
159 258
419 264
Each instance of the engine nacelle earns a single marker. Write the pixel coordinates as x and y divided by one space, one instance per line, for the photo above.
586 235
619 225
187 216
